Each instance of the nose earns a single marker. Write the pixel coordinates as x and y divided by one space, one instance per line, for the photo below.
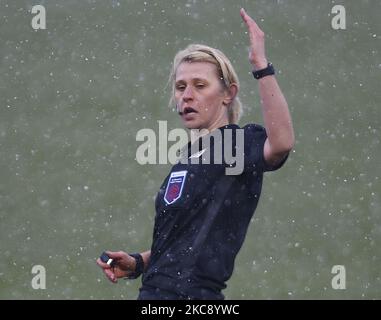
187 94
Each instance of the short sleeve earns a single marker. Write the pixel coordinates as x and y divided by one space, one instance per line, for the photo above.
255 137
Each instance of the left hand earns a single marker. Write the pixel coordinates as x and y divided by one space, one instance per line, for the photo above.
257 56
122 266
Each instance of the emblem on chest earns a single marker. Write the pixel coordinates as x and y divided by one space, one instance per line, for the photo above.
175 186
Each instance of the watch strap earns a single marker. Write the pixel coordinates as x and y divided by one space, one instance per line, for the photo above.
269 70
139 266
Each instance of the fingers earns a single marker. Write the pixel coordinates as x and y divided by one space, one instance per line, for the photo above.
110 275
243 14
248 20
250 23
114 270
108 271
116 255
102 264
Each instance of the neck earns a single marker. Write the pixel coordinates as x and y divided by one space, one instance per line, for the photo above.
220 121
200 132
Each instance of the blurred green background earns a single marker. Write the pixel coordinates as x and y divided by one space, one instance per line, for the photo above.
73 96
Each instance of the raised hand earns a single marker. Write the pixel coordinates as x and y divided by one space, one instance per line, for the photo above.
257 55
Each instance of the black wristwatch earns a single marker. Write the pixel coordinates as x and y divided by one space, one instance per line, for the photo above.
258 74
139 266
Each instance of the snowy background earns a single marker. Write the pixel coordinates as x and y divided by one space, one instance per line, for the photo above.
73 96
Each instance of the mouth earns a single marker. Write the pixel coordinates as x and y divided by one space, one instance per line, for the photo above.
187 110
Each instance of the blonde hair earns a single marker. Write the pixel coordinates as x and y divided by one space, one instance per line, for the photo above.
203 53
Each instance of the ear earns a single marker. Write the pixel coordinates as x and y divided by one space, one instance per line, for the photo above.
230 94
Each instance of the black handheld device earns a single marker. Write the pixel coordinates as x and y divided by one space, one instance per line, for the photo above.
106 259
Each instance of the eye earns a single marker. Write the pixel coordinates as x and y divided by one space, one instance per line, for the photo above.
180 87
200 85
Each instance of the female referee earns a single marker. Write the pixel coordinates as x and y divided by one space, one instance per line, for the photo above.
202 214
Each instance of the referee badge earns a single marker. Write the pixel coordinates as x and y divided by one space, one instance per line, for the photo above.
175 186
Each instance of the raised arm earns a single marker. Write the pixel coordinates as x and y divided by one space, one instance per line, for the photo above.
276 116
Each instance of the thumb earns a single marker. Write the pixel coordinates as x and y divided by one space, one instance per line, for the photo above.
116 254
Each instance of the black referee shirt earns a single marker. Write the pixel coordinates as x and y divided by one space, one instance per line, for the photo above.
202 216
